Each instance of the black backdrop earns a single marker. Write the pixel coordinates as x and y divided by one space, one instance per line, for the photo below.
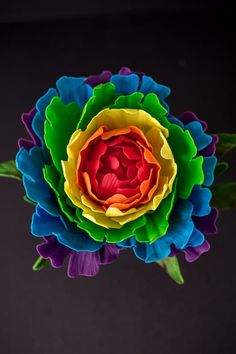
129 307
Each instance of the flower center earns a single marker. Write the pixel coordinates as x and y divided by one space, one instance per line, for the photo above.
117 168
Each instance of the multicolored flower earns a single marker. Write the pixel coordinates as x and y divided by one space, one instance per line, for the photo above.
109 168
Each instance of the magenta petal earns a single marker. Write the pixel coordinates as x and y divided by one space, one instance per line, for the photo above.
83 263
193 253
27 121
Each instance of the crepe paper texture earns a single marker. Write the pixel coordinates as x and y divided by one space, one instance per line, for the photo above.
108 168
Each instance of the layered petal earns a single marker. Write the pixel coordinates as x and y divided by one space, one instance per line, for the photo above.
79 263
105 126
109 168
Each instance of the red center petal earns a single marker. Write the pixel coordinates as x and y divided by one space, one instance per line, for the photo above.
117 168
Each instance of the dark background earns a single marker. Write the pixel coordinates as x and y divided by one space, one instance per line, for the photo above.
130 307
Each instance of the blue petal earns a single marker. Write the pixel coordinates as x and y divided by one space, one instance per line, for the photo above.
44 101
30 164
39 118
196 238
201 139
152 252
125 84
150 86
176 121
73 89
178 234
181 224
44 224
38 125
128 243
208 166
201 197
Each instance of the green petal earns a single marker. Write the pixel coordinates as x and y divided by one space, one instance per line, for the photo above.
190 170
9 169
103 96
59 125
171 265
146 228
226 143
101 234
56 182
224 195
132 101
151 104
157 222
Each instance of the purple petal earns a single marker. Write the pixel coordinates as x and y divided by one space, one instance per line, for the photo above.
87 263
211 148
109 253
94 80
188 117
125 71
83 263
27 121
193 253
207 224
53 250
80 263
174 251
105 76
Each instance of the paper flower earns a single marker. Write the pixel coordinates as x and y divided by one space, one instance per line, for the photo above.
109 168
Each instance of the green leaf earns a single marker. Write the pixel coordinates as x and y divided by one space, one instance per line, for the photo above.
8 169
171 265
226 143
41 263
224 195
221 168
